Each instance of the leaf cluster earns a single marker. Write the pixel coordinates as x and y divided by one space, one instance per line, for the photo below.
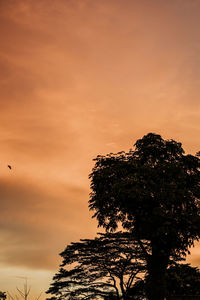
3 295
183 279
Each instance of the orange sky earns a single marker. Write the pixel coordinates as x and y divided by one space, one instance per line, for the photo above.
81 78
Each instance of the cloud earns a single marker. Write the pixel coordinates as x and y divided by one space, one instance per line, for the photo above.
32 217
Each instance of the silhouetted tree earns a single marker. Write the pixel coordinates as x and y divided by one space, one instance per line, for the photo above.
107 267
183 279
154 192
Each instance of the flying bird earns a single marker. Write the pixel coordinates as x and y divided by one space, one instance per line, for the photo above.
9 167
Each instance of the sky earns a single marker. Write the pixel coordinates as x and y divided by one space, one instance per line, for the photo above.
80 78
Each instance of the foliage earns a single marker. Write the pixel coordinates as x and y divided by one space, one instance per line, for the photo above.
154 191
106 267
3 295
182 279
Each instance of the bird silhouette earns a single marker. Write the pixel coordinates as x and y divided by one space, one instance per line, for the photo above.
9 167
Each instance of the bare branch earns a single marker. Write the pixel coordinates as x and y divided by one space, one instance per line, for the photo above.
37 298
10 296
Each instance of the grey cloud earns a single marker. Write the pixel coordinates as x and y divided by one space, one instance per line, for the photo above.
36 224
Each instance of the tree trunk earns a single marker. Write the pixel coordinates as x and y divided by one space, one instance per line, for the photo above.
156 284
155 288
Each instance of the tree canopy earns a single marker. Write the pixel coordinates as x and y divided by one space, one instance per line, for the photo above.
154 192
107 267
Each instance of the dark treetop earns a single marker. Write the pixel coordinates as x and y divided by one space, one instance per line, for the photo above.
154 192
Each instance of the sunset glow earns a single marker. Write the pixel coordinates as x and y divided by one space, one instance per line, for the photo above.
81 78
